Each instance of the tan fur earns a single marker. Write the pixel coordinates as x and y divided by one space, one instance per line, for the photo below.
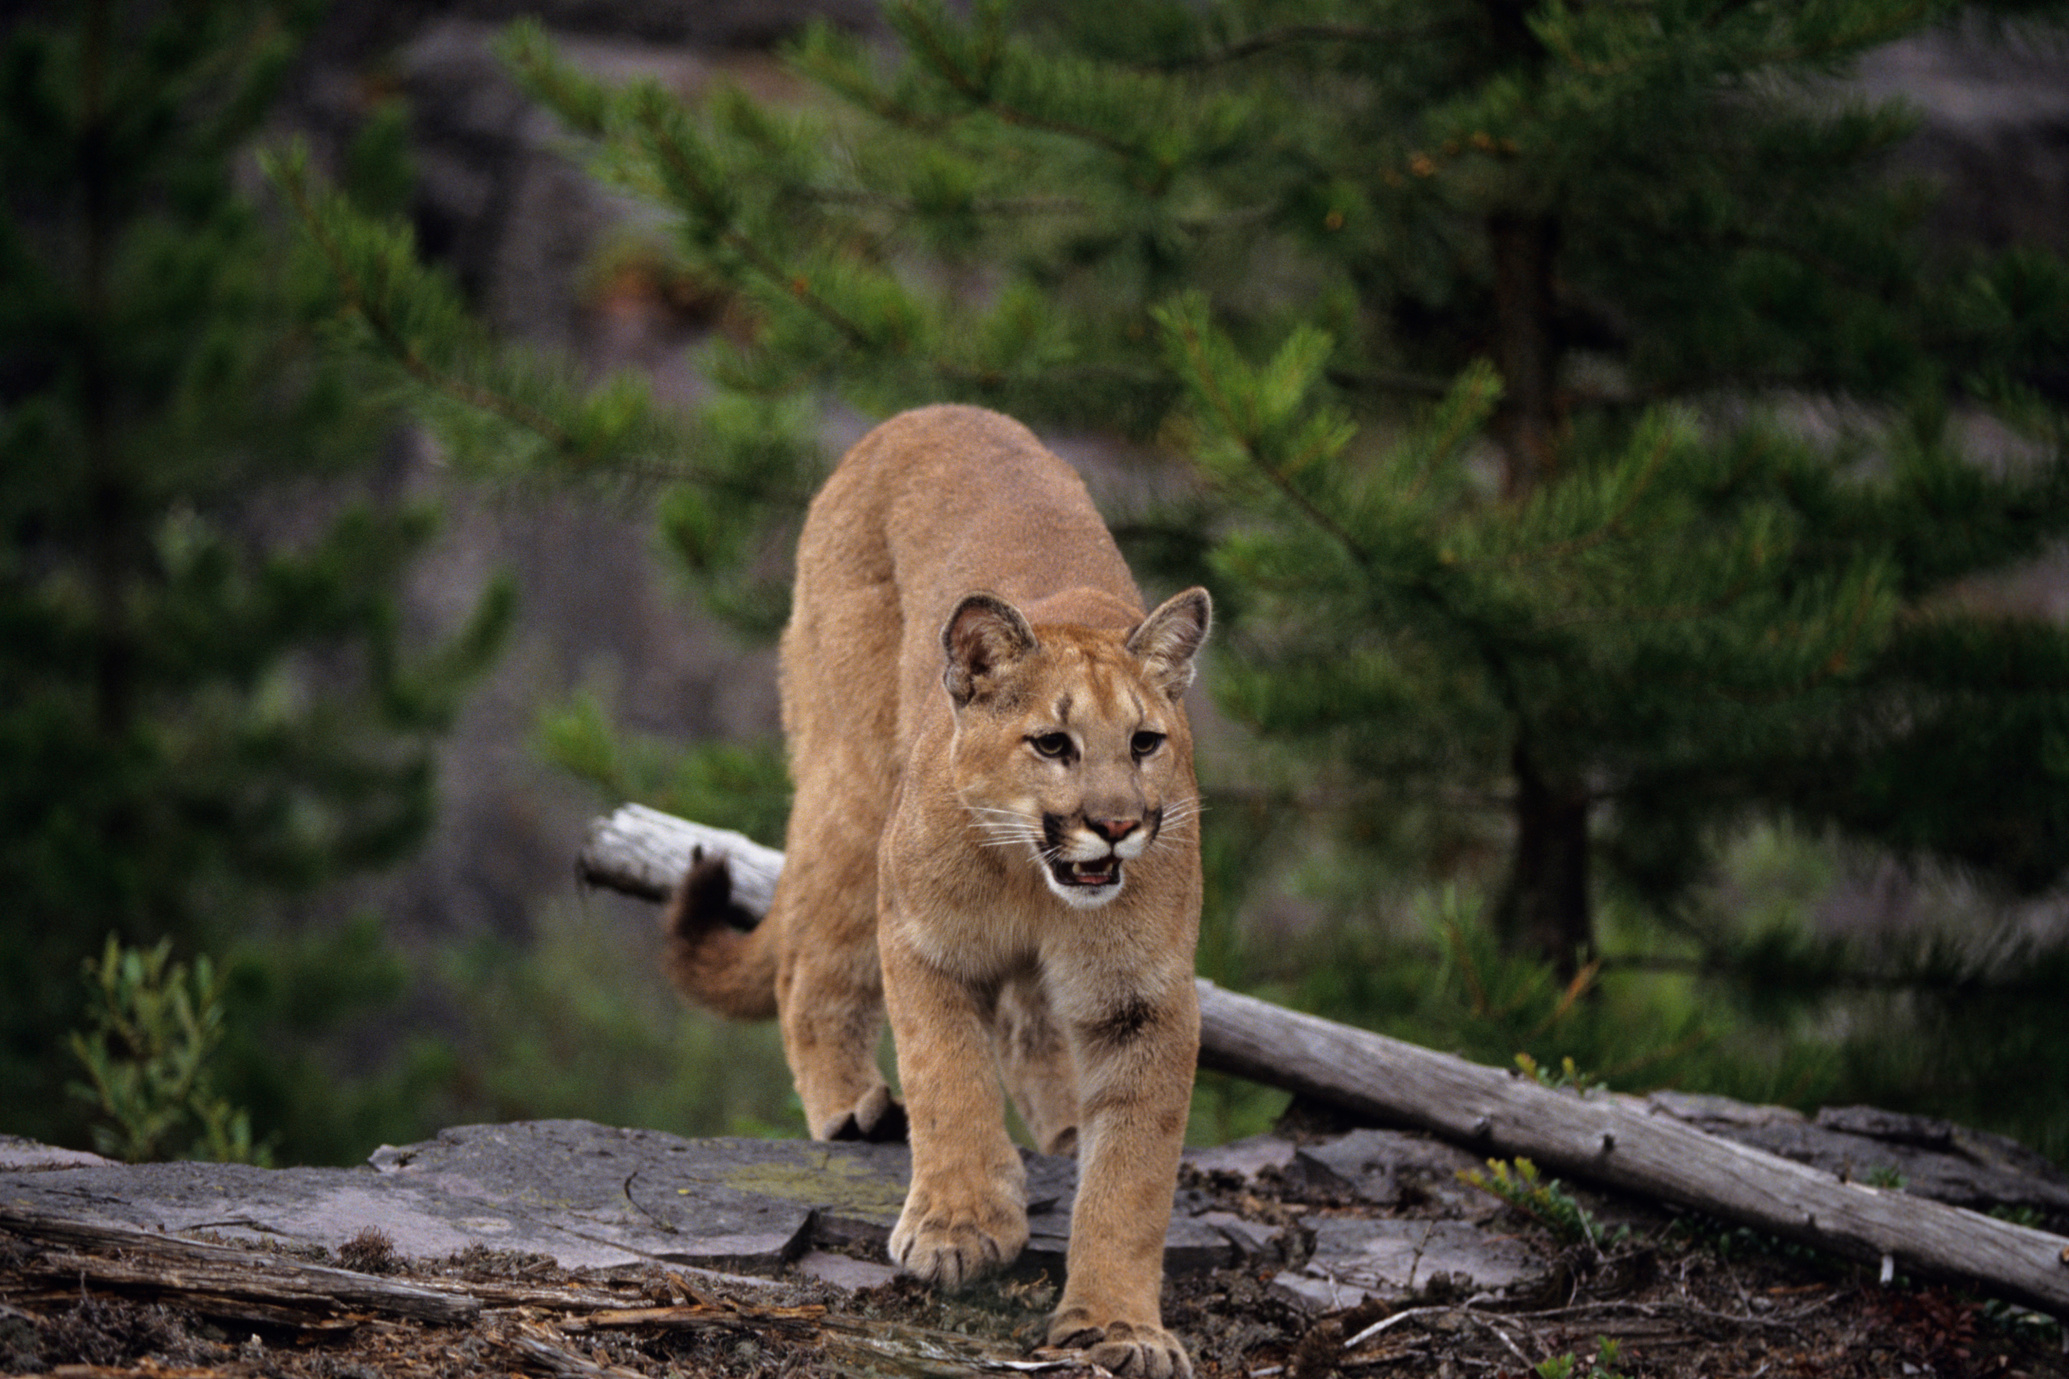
708 954
974 703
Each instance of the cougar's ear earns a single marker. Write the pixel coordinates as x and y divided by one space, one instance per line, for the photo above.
1168 639
983 636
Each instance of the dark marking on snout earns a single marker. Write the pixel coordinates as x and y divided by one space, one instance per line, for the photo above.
1055 830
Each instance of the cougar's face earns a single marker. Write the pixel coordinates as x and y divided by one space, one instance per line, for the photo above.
1073 765
1070 746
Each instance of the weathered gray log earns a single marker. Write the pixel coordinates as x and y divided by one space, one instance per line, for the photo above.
1623 1143
222 1280
1610 1140
644 852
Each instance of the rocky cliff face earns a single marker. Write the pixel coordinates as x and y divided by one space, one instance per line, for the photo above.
1993 132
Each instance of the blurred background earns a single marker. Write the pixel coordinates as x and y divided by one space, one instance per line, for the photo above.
1625 441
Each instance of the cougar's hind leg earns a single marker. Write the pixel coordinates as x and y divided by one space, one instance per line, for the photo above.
829 989
1035 1063
840 718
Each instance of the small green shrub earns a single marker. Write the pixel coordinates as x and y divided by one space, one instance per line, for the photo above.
1602 1365
155 1025
1544 1200
1565 1076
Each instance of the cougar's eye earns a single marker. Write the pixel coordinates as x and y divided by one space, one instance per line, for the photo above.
1050 744
1145 743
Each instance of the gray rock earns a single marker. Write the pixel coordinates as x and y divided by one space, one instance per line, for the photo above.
1247 1157
1392 1260
1993 131
1250 1239
1193 1246
586 1195
844 1271
719 1204
18 1154
1384 1167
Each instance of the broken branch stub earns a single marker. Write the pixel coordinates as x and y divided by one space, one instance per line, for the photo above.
1614 1141
644 852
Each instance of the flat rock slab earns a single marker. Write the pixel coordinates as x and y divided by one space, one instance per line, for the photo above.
588 1196
1396 1259
1246 1158
1389 1168
18 1153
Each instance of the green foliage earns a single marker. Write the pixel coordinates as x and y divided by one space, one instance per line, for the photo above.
580 1023
1445 981
1601 1365
1440 299
732 785
207 696
1743 1000
1579 412
154 1029
1544 1200
1567 1076
1225 1109
312 1045
739 471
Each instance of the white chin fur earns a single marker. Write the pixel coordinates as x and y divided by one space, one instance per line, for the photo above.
1084 897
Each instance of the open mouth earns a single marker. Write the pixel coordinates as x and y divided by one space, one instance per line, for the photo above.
1106 871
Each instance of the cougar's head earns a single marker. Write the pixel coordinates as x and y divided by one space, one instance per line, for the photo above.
1071 746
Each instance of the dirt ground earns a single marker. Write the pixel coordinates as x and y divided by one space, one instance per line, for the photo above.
1673 1295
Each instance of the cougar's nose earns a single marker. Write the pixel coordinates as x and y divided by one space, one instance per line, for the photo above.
1113 830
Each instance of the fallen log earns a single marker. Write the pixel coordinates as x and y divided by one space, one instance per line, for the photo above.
1623 1143
224 1281
1601 1138
644 852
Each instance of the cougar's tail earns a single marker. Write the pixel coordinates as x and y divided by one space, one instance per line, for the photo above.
709 958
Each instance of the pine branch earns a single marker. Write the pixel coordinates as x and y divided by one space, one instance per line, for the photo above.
1185 328
1289 35
936 52
291 176
1391 381
1847 41
910 208
665 142
1609 527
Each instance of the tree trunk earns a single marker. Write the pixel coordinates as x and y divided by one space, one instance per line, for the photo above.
1544 908
110 500
1525 350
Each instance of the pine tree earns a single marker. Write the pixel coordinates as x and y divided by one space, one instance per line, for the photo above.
1496 328
1582 401
207 698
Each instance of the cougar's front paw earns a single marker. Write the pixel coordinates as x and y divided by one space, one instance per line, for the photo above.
950 1238
878 1117
1123 1348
